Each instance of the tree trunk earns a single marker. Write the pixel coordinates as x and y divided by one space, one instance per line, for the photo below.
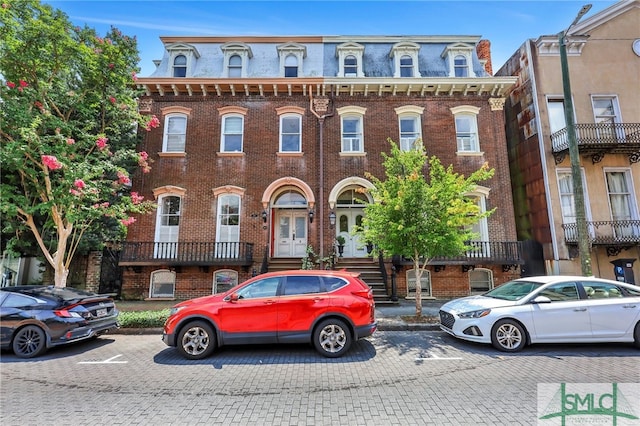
418 274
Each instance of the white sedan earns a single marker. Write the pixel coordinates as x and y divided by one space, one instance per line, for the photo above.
547 309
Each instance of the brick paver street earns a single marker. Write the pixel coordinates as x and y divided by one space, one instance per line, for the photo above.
392 378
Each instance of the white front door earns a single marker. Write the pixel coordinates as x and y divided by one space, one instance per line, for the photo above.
167 228
347 220
291 237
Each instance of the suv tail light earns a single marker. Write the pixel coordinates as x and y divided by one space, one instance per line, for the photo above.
365 293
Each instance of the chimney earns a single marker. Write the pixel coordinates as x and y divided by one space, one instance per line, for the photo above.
484 55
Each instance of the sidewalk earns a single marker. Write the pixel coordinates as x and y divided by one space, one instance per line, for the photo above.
395 317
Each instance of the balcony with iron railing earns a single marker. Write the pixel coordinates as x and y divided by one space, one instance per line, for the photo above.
505 253
597 139
186 253
615 235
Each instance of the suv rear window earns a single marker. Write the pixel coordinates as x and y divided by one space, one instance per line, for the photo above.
334 283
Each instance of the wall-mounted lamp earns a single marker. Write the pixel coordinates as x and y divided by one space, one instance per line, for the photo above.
264 216
311 214
332 219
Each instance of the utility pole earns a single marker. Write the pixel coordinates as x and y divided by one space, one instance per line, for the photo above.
584 248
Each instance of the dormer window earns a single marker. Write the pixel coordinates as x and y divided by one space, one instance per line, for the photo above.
182 59
405 59
350 59
291 66
291 58
236 59
180 66
460 66
458 58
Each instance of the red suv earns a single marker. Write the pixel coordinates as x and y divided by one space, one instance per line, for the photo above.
330 309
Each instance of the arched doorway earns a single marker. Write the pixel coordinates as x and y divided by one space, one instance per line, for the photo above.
349 213
290 219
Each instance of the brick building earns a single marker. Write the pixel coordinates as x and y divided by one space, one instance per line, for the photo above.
264 142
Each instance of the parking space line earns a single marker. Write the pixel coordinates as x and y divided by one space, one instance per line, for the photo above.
107 361
437 358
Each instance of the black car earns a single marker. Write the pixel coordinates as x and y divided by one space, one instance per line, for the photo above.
35 318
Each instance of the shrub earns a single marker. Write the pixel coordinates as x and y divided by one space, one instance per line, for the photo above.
143 319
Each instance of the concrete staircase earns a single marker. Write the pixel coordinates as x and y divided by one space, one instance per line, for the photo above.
367 267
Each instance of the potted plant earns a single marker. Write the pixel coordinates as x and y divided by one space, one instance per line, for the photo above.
340 240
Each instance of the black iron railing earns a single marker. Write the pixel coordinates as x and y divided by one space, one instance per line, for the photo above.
619 232
186 253
598 139
488 252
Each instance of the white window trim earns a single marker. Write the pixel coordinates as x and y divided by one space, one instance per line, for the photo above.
223 133
427 289
236 48
458 49
352 112
289 115
616 106
468 111
635 214
491 281
151 284
165 135
401 49
409 111
214 286
350 49
295 49
189 51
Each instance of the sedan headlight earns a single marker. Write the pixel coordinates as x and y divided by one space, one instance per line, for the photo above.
475 314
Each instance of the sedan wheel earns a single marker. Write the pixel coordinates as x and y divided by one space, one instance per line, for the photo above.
508 336
636 336
196 340
29 342
332 338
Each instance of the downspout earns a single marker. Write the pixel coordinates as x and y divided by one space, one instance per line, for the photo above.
321 119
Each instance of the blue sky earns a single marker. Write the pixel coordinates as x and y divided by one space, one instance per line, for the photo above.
507 24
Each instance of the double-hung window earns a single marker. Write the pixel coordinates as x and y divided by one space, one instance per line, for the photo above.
235 66
406 66
410 123
180 66
466 122
291 66
605 112
350 66
290 133
232 133
622 203
460 66
351 129
175 132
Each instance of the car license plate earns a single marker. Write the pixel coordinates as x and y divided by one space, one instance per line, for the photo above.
101 312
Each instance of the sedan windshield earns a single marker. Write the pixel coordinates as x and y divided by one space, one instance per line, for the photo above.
513 290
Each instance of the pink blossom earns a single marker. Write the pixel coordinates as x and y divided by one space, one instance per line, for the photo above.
123 178
75 192
101 143
23 83
128 221
111 66
112 99
135 198
11 84
143 155
51 162
79 183
134 75
152 123
70 141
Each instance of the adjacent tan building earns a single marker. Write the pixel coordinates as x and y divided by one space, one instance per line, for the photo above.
604 68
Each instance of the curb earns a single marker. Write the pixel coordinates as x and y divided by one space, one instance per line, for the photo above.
383 325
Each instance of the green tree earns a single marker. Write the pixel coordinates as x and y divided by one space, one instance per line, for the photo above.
420 218
68 128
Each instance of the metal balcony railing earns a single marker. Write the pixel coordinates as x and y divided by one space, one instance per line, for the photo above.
619 232
487 252
186 253
598 139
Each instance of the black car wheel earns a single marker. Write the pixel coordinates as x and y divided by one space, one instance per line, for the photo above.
636 336
508 336
196 340
29 342
332 338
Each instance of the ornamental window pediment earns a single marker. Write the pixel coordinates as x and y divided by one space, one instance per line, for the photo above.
349 56
459 60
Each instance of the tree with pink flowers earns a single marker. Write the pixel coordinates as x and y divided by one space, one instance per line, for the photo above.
69 129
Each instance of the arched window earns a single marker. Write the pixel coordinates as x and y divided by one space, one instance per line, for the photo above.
180 66
235 66
163 283
291 66
406 66
480 280
460 66
350 66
